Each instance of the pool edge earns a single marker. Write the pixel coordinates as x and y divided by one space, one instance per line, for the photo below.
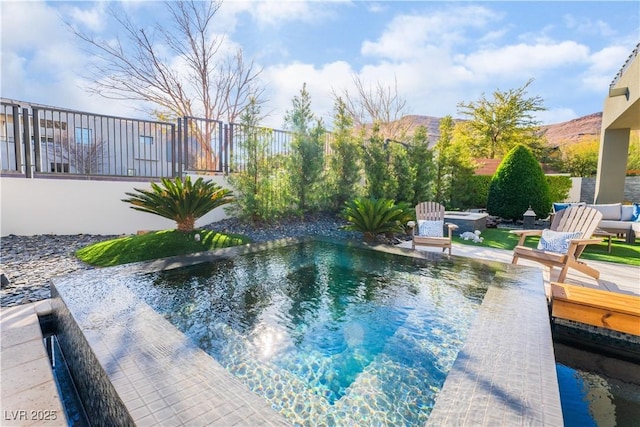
505 373
461 401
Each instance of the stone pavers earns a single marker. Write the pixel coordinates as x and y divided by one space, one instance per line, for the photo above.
505 373
613 277
29 393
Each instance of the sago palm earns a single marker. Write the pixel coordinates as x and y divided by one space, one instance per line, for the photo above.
374 216
180 200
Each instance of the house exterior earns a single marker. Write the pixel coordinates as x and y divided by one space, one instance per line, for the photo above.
620 115
82 143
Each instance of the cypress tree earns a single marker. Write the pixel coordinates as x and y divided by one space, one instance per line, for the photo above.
518 183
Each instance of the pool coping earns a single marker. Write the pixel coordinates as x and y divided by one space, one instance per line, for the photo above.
29 393
504 375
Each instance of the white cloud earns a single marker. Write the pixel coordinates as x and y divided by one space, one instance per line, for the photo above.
407 36
584 25
603 67
557 115
277 13
285 82
377 7
525 59
27 25
493 36
13 69
91 18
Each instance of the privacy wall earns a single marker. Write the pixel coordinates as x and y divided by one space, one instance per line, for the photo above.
65 206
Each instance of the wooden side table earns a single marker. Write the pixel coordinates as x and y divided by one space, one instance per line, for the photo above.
602 233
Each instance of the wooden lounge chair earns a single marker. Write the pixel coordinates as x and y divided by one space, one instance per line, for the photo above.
429 231
577 223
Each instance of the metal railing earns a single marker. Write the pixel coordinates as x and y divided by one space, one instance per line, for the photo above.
255 142
78 143
626 64
203 147
40 141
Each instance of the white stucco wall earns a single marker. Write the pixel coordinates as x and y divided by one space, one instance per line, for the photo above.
63 206
574 192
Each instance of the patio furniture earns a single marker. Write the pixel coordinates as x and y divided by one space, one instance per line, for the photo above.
563 243
605 234
429 230
596 307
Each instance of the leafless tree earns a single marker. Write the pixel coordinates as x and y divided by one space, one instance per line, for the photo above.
87 157
380 105
179 66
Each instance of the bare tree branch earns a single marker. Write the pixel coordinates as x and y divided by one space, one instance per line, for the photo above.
380 105
181 69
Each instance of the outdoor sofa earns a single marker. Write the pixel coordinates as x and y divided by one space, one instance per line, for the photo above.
616 219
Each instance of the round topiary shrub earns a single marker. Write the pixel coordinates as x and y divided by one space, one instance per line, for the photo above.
518 183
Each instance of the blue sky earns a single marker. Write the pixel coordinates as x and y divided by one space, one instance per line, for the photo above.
440 53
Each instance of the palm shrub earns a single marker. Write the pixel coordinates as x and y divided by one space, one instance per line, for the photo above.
374 216
517 184
181 200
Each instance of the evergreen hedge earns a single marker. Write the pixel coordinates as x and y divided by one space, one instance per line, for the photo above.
559 187
518 183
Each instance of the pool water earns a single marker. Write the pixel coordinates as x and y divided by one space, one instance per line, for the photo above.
328 334
597 390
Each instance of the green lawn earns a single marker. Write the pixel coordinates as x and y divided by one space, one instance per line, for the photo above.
155 245
621 252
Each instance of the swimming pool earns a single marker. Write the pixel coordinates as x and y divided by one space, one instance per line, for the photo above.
328 332
341 334
597 389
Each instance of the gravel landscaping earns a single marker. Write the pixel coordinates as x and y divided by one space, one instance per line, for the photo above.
28 262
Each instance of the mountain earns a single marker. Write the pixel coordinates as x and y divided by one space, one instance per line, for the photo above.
558 134
574 130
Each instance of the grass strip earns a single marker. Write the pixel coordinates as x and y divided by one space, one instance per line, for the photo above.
621 252
154 245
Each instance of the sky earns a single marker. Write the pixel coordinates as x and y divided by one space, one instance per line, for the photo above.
439 53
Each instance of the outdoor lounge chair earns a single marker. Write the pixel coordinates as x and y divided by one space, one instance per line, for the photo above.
429 231
563 243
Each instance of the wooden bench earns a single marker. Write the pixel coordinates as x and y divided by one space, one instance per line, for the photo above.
605 309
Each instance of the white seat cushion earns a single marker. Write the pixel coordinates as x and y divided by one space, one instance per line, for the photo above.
615 225
627 212
611 211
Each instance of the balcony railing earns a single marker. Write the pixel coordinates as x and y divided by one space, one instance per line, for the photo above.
39 141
